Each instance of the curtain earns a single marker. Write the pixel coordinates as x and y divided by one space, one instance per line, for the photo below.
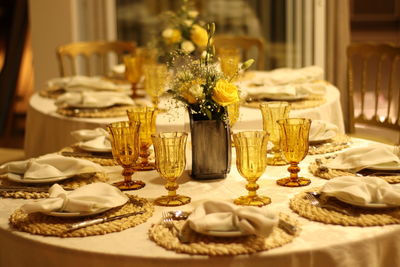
337 40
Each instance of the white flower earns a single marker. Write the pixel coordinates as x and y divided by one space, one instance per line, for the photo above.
167 33
197 91
193 13
187 46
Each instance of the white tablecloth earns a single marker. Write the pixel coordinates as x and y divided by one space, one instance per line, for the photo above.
47 131
317 245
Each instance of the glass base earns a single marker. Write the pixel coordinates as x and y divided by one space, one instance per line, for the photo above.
172 201
252 201
301 181
144 167
276 162
131 185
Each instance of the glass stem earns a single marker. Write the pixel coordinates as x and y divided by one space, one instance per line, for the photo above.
294 169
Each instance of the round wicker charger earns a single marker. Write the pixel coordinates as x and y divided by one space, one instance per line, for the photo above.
41 224
73 183
367 217
318 169
337 143
218 246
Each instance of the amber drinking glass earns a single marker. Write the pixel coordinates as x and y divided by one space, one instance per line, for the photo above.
146 116
271 112
294 145
133 72
170 154
251 148
125 150
229 60
155 78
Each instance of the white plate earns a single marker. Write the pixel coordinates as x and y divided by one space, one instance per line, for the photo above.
389 166
18 178
224 233
75 214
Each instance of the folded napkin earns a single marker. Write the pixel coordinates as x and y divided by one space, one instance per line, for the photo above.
93 140
49 166
85 83
93 99
362 191
86 199
225 216
359 158
322 130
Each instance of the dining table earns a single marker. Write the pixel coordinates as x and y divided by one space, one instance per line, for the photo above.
48 131
316 243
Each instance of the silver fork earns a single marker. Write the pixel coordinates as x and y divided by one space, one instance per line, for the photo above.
168 221
315 202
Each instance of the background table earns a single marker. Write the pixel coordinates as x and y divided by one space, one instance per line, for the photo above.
48 131
318 244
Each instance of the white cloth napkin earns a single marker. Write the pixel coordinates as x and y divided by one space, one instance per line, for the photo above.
49 166
362 191
359 158
86 199
322 130
93 99
93 140
85 83
225 216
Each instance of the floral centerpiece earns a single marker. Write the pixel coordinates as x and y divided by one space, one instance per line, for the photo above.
184 31
203 87
206 92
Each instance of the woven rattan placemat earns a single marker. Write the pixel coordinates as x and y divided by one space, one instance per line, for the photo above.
309 102
318 169
218 246
339 142
41 224
73 182
366 217
76 152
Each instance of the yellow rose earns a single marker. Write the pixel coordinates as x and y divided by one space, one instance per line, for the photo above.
225 93
172 36
199 36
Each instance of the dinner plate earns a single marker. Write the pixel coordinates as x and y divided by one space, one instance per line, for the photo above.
224 233
19 178
388 166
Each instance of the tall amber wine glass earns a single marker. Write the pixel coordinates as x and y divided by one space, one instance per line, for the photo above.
133 71
170 163
125 150
146 116
271 112
229 60
251 148
294 144
155 78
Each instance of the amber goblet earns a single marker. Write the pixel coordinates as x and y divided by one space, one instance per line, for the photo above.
146 116
125 149
133 71
170 154
251 148
271 112
155 79
294 144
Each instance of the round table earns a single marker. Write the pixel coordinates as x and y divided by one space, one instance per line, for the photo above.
317 245
48 131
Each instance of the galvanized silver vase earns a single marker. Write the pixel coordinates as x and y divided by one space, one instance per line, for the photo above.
211 149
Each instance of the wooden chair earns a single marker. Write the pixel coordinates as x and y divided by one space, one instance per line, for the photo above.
246 44
374 86
91 58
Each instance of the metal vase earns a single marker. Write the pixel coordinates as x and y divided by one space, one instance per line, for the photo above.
211 149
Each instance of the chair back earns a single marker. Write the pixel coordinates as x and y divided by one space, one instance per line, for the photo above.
91 58
245 44
374 85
